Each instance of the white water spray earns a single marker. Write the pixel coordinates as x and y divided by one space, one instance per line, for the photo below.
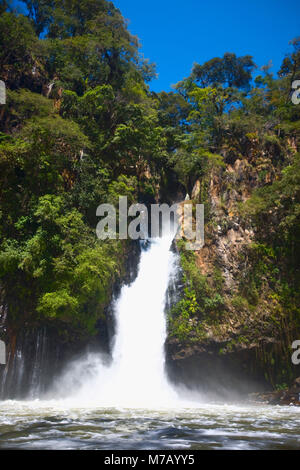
136 377
138 356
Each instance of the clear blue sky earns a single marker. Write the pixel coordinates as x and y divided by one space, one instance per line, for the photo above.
174 34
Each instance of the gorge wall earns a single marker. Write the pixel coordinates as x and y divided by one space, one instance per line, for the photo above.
232 332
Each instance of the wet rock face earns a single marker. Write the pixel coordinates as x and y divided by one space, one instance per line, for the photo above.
176 285
132 263
106 326
201 368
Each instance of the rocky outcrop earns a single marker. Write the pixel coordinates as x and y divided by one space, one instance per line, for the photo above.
34 356
244 341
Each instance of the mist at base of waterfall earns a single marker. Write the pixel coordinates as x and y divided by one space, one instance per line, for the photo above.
59 425
126 402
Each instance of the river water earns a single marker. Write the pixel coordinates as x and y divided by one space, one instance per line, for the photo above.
128 403
55 425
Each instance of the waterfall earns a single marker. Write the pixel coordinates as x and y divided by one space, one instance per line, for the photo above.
138 355
136 375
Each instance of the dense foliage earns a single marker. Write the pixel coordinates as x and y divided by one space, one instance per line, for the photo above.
79 129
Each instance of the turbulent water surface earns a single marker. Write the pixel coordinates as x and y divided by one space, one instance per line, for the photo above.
37 425
127 402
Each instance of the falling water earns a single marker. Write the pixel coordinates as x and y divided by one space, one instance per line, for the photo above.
136 377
